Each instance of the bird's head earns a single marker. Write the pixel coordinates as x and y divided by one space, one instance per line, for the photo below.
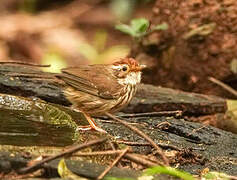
128 71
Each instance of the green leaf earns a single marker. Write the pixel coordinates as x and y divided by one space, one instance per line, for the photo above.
231 105
125 29
170 171
140 26
146 177
231 116
116 178
216 175
232 109
64 172
137 28
233 66
163 26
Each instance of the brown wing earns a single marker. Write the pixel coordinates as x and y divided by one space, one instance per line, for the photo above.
94 79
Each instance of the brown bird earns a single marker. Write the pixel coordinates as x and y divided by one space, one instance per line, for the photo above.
100 88
96 89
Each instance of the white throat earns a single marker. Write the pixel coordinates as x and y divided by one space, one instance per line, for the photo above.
132 78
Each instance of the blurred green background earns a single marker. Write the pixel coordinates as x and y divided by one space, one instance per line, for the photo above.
67 32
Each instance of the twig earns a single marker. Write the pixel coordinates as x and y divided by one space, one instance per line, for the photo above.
231 177
24 63
130 156
112 145
169 146
148 144
153 114
149 114
139 160
69 151
223 85
113 122
140 133
130 143
96 153
162 124
113 164
195 130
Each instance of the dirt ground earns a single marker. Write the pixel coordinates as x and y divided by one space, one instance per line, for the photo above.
200 43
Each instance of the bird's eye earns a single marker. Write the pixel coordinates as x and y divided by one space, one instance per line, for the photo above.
125 68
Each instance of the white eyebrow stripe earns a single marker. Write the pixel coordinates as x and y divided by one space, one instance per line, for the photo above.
117 67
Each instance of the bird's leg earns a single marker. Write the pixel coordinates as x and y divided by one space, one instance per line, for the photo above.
92 125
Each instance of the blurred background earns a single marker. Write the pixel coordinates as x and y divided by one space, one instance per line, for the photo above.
66 32
183 43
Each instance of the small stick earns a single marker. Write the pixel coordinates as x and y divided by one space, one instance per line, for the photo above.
113 164
140 133
96 153
195 130
112 145
132 157
25 63
130 143
69 151
223 85
139 160
153 114
231 177
149 114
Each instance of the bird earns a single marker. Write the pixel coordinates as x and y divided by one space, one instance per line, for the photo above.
96 89
100 88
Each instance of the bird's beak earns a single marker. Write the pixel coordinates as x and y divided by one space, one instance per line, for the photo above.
140 67
137 68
